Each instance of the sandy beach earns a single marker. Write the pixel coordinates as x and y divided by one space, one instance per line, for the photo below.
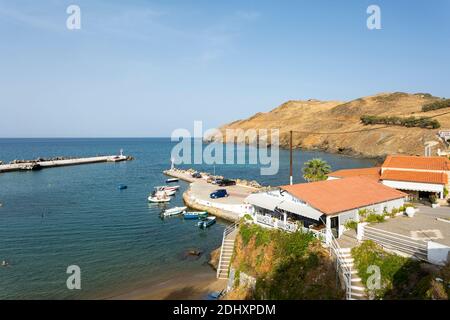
182 287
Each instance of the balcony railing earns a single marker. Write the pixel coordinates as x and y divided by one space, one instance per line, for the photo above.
288 226
276 223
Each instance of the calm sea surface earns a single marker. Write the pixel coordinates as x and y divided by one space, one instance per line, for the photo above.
57 217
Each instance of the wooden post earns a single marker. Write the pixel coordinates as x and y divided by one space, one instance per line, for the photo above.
290 159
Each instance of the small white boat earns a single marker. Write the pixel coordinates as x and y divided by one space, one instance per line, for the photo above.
158 197
168 192
171 180
174 211
166 188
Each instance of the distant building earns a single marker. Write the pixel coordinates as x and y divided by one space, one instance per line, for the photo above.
417 176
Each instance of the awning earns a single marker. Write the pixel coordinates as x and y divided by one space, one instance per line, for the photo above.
300 210
263 200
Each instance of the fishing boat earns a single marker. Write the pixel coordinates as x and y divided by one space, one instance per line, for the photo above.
169 192
158 196
122 187
167 188
174 211
195 215
171 180
209 221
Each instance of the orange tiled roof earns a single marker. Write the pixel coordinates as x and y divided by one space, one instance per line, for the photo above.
415 176
372 173
413 162
334 196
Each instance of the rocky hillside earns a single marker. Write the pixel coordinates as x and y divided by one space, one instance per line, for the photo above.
286 266
336 126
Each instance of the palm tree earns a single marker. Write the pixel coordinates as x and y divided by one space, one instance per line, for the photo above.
315 170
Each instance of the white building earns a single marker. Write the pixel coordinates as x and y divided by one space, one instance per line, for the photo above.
324 205
418 176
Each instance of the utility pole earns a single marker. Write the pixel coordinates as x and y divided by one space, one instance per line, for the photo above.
290 160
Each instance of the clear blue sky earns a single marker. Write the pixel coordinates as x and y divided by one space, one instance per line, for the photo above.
144 68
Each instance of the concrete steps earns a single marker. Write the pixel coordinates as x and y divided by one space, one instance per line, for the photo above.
226 254
358 290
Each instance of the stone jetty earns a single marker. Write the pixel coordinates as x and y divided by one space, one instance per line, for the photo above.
42 163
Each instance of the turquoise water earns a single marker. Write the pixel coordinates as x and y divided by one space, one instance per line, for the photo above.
57 217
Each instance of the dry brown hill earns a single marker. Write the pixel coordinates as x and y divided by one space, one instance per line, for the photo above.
335 126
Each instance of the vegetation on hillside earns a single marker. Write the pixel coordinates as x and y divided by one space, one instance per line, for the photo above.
285 265
435 105
401 278
315 170
421 122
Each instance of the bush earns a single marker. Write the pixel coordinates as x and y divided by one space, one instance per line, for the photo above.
375 218
395 270
351 224
422 122
440 104
433 199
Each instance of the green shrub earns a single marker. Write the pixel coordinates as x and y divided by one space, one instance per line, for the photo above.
433 198
294 244
422 122
445 192
395 270
440 104
351 224
375 218
262 235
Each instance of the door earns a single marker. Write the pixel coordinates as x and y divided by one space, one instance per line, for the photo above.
335 226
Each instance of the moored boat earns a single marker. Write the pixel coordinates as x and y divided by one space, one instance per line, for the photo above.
206 222
174 211
158 196
171 180
122 187
169 192
195 215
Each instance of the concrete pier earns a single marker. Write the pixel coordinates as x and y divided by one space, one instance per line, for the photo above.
36 165
197 196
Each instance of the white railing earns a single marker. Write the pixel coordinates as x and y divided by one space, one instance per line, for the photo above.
289 226
227 231
395 241
276 223
267 220
341 265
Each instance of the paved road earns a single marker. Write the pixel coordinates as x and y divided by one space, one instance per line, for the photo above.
201 190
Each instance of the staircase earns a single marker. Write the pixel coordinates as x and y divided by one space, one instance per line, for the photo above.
226 251
358 290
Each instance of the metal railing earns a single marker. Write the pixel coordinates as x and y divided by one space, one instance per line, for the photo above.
341 266
398 242
227 231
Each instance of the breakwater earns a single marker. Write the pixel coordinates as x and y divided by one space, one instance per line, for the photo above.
41 163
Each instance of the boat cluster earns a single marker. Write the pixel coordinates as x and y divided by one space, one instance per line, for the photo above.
163 194
204 220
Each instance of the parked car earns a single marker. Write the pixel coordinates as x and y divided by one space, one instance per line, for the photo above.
227 182
196 175
220 193
216 181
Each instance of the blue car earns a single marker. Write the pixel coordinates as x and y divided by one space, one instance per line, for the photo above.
221 193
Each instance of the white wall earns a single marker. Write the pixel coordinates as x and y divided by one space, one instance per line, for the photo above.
415 186
437 253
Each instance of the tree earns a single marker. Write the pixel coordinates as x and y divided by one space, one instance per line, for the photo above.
315 170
